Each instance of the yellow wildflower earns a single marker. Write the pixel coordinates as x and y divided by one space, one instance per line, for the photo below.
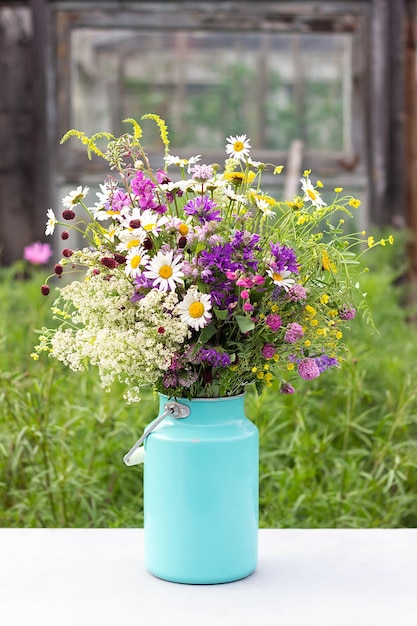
278 169
355 203
307 343
260 375
310 310
339 334
319 183
338 189
391 240
371 242
290 366
327 263
324 298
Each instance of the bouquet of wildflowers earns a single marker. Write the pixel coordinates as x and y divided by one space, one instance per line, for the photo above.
197 283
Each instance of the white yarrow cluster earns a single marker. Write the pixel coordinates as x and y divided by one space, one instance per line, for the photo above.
129 342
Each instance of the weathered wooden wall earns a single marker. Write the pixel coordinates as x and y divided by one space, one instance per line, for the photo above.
16 134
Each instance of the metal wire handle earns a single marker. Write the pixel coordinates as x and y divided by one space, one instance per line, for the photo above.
173 409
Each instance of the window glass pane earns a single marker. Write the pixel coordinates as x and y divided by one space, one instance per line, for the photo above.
273 87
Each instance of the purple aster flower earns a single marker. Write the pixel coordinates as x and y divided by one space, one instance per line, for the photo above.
308 369
273 321
294 332
347 312
296 293
285 258
203 209
324 362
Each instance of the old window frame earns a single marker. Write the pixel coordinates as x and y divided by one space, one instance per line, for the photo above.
308 17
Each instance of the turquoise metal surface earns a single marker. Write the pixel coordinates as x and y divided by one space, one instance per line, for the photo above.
201 493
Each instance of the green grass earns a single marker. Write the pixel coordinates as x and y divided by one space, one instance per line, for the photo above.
341 452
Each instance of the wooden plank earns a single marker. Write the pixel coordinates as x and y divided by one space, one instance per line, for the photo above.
293 169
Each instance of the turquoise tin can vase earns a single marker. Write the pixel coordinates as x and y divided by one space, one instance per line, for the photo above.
201 483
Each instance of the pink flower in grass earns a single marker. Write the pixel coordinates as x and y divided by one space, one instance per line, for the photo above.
37 253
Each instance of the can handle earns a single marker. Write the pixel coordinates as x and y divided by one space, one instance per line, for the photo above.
136 454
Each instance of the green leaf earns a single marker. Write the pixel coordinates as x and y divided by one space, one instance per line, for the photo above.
221 314
207 333
245 324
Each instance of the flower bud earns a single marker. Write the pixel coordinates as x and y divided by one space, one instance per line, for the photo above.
58 269
45 290
68 214
64 235
67 253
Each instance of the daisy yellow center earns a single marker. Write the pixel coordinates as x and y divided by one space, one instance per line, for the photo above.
276 276
196 309
133 244
134 263
238 146
77 199
165 271
149 226
183 229
312 194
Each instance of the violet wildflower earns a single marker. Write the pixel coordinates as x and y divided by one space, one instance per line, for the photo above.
214 357
170 380
294 332
187 378
273 321
347 312
268 351
296 293
201 173
286 388
324 362
248 307
308 369
284 258
203 209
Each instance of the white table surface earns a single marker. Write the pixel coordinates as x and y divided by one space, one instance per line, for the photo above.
82 577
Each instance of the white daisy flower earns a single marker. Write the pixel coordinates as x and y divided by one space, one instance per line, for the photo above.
136 259
194 310
255 164
50 224
151 222
176 160
310 193
264 207
100 210
281 278
75 197
165 270
130 238
238 147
